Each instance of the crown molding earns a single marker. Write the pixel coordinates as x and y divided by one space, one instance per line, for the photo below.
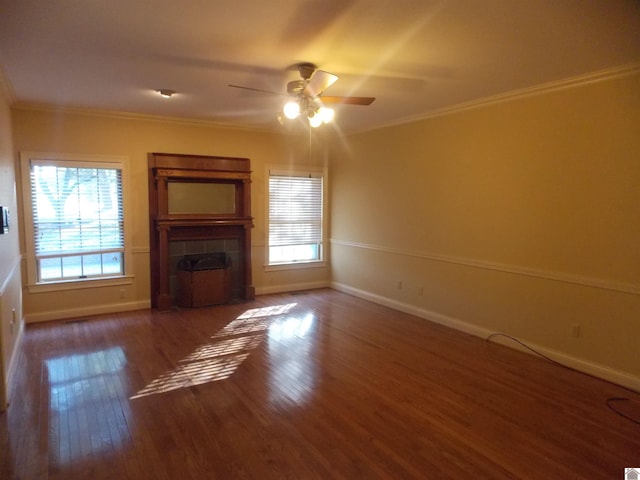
555 86
116 114
541 89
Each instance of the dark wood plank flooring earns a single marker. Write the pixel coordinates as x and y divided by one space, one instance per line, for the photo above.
318 385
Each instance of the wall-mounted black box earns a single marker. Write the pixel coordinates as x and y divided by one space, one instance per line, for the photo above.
4 220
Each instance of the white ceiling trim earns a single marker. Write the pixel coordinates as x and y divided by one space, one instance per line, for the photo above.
572 82
96 112
555 86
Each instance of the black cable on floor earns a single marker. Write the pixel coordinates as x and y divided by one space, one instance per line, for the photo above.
609 402
549 359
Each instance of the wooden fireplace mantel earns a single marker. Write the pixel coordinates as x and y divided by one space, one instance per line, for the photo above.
165 226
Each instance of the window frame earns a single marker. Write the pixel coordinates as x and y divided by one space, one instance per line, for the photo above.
75 160
297 171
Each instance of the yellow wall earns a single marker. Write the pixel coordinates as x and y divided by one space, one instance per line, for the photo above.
121 135
520 217
11 322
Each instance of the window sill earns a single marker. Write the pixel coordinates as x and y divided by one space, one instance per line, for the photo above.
80 284
294 266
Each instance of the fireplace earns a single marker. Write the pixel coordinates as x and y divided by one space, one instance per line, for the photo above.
181 252
203 279
198 204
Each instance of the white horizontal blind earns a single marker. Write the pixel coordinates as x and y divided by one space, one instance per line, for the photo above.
77 220
295 218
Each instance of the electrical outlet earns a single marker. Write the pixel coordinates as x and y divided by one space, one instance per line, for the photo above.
399 284
420 291
122 293
575 330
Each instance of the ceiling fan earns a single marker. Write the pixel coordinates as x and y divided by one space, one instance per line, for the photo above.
308 95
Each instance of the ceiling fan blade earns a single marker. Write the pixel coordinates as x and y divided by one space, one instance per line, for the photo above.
319 81
348 100
256 90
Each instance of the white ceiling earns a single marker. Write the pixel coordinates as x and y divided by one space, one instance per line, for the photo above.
414 56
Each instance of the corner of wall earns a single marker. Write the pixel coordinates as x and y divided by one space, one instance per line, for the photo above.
11 330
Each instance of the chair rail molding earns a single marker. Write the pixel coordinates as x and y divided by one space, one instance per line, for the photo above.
626 288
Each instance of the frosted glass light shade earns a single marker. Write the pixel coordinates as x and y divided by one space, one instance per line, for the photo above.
326 114
315 121
291 110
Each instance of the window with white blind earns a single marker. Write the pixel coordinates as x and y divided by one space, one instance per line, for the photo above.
295 218
75 223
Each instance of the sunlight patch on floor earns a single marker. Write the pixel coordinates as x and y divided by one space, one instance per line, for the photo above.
291 351
82 394
193 373
218 359
267 311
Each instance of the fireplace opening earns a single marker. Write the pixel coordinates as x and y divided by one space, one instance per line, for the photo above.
205 272
203 279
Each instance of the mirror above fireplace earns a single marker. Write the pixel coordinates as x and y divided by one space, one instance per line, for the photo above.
201 198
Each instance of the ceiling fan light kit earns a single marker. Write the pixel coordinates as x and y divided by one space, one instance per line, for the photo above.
317 115
308 98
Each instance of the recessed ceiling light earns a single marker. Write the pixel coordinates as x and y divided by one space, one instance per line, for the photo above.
165 93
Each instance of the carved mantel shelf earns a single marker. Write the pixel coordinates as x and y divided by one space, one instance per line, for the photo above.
170 222
233 221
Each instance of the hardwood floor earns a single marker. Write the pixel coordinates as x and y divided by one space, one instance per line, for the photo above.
318 385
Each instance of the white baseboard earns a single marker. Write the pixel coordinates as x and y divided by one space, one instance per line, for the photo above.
594 369
292 287
87 311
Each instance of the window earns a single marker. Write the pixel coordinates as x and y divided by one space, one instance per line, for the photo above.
75 218
295 218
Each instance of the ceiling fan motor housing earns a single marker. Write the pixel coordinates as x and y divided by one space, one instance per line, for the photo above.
306 70
295 87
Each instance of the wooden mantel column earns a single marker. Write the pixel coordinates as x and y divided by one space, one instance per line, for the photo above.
163 295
